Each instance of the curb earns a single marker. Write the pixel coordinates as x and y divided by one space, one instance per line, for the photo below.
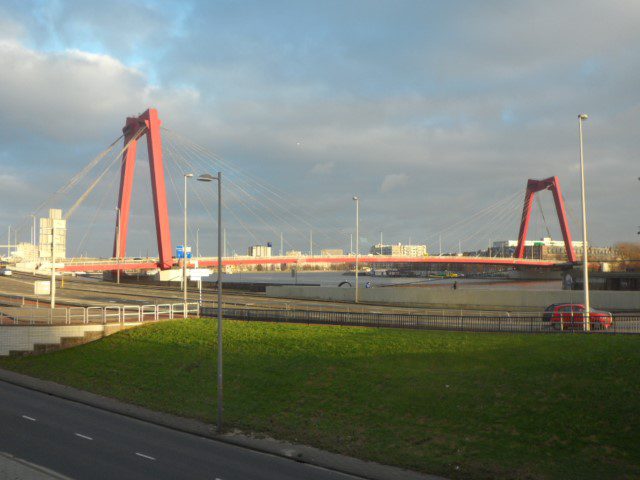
299 453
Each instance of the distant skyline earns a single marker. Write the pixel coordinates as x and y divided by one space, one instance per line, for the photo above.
428 111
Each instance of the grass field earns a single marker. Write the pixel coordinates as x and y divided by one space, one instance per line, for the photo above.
456 404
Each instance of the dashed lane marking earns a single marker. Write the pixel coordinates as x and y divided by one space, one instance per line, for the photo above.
145 456
83 436
26 417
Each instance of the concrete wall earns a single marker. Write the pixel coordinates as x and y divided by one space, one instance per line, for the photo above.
484 299
39 338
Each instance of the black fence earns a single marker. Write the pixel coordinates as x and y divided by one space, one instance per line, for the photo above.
627 324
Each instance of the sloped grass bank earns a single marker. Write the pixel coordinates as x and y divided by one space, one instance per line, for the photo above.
456 404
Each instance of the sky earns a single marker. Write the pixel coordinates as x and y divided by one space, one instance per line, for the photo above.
429 112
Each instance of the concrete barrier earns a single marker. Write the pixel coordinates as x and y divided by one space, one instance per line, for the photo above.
476 298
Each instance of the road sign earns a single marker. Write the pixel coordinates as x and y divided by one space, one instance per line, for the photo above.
180 251
42 287
198 273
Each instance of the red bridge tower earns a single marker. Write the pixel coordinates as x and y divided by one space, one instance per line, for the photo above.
146 124
533 186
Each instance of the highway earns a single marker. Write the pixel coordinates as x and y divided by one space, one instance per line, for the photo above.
81 442
82 292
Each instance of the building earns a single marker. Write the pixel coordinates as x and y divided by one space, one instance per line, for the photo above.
399 250
548 249
260 251
53 236
332 252
293 253
546 241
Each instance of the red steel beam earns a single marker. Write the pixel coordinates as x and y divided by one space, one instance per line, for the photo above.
130 130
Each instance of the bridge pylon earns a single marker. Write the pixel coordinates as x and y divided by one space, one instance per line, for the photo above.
150 123
534 186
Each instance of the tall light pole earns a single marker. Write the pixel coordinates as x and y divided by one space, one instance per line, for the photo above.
357 200
33 229
184 247
118 245
585 244
52 289
209 178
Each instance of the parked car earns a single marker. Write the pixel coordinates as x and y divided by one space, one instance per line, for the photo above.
571 316
5 272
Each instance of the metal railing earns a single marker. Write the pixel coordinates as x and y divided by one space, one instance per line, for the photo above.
107 315
469 323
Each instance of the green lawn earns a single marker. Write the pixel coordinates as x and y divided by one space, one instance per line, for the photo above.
461 405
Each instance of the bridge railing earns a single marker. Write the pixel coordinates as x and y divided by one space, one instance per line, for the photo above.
104 315
536 323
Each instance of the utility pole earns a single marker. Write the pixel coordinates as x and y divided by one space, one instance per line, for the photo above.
459 247
9 242
380 238
311 243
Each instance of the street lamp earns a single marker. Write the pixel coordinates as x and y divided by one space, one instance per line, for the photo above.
118 245
210 178
585 245
357 200
184 249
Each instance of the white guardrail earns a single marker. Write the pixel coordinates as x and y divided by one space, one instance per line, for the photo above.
112 314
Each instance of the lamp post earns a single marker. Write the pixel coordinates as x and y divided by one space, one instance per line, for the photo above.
118 245
184 248
357 200
33 229
209 178
52 288
585 245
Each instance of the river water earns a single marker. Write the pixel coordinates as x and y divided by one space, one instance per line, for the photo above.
334 279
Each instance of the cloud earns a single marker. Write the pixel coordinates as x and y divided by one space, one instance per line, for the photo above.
66 96
393 182
323 168
470 103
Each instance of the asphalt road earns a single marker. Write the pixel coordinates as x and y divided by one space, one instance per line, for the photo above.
83 442
97 293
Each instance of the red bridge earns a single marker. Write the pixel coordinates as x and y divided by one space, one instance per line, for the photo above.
149 124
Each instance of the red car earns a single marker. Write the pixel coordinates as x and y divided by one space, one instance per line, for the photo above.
570 316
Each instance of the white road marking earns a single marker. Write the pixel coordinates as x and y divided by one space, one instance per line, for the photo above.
83 436
28 418
145 456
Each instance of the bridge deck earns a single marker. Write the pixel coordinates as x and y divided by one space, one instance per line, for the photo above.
150 264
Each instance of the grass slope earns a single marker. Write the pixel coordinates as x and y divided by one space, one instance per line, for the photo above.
455 404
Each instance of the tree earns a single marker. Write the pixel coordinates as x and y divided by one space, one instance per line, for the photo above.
629 255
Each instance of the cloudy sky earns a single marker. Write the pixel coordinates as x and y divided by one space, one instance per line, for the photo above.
429 111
